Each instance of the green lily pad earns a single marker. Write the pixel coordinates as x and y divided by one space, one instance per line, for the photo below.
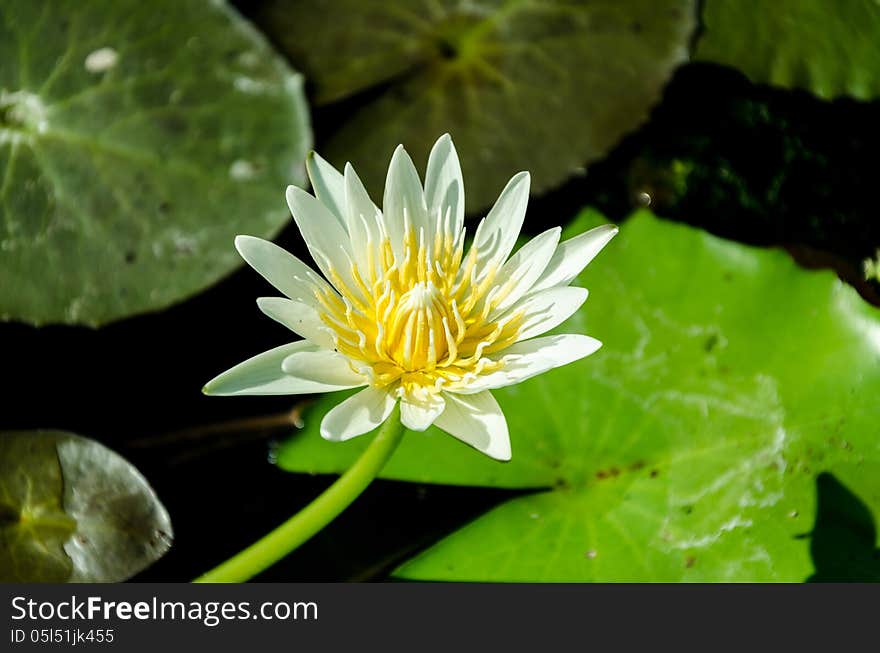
824 46
136 140
688 447
71 510
544 86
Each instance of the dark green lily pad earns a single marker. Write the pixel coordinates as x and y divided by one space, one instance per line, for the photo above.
541 86
842 542
136 140
824 46
72 510
688 447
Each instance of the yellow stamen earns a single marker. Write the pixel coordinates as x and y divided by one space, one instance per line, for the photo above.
418 323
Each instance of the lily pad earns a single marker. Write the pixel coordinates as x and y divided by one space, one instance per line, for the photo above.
824 46
136 140
544 86
688 447
72 510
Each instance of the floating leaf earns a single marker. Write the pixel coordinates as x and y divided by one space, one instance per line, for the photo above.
33 524
825 46
544 86
71 510
688 447
136 140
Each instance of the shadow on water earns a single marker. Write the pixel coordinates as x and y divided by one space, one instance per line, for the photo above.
842 542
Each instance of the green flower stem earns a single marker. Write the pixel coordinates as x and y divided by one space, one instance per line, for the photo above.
315 516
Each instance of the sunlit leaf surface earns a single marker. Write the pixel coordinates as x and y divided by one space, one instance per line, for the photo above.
136 140
520 84
828 47
71 510
689 446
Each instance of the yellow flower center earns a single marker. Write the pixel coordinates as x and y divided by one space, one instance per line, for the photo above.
420 320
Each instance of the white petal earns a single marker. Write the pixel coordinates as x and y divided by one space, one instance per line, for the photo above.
478 421
357 415
497 233
325 237
323 366
364 222
403 195
328 185
532 357
444 185
547 309
300 318
518 275
573 255
262 375
282 269
419 415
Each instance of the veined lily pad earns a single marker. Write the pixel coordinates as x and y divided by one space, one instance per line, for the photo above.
136 140
544 86
689 446
825 46
71 510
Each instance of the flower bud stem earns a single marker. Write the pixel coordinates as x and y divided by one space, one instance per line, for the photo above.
263 553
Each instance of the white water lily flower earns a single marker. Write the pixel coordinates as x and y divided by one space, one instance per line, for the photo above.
405 312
